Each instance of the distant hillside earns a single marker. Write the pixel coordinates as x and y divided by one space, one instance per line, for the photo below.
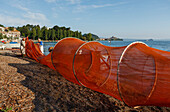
113 38
93 36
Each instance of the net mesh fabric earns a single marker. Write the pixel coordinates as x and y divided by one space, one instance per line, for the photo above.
135 74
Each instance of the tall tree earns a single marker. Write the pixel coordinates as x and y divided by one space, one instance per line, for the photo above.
27 31
49 34
61 33
71 33
38 32
53 34
68 33
80 35
58 34
45 34
33 33
65 33
89 36
1 25
76 34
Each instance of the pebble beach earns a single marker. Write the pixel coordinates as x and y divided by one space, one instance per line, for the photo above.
27 86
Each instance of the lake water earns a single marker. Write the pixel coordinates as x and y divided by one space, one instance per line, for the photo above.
162 45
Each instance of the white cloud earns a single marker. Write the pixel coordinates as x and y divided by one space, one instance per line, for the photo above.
31 15
107 5
35 16
12 21
81 8
50 1
100 6
19 21
27 17
69 1
74 1
20 7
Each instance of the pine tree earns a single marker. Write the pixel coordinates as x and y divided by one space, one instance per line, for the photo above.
61 33
38 32
65 34
58 34
45 34
49 34
33 33
53 34
68 33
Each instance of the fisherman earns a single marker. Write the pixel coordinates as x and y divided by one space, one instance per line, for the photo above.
41 45
22 46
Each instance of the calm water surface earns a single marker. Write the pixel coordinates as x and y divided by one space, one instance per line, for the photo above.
162 45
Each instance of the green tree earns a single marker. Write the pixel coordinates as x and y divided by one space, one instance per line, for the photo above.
1 25
41 35
61 34
11 28
5 36
65 33
84 38
53 34
56 27
49 34
71 33
38 32
23 34
80 35
76 34
1 36
89 36
45 35
33 33
27 31
58 34
68 33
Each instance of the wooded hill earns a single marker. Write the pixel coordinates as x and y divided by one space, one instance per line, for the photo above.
54 33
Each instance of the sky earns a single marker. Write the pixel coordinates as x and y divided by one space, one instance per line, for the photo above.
133 19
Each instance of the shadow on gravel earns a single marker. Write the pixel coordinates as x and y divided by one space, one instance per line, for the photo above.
54 93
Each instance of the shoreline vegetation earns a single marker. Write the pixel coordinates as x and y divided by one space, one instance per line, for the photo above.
26 85
55 33
52 34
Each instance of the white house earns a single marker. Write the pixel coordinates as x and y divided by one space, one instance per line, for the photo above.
14 33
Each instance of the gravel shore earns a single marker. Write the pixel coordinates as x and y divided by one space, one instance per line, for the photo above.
27 86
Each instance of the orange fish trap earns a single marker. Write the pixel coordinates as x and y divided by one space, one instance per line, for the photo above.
135 74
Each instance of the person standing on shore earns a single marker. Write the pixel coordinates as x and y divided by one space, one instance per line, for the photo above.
41 45
22 47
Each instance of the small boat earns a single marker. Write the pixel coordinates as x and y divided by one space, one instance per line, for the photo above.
12 45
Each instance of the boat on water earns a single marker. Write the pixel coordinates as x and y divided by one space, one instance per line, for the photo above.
12 45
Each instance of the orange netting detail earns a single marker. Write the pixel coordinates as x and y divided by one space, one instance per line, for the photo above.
135 74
